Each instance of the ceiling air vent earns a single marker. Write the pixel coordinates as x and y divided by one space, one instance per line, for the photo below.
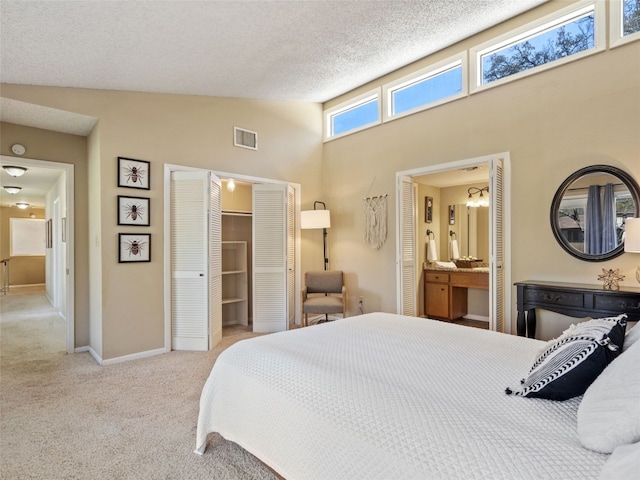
245 138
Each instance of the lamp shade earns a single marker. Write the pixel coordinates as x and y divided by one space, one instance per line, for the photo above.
315 219
632 235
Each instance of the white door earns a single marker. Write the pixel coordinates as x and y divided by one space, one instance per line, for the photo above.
407 245
272 279
496 245
291 255
196 276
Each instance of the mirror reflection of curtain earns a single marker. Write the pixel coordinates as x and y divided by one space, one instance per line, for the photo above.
600 222
593 222
609 237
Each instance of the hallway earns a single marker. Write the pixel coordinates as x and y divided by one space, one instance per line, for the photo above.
30 328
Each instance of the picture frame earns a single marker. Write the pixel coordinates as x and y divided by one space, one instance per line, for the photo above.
134 173
428 209
134 247
133 210
452 214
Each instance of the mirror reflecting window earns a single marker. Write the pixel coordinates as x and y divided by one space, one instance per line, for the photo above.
589 212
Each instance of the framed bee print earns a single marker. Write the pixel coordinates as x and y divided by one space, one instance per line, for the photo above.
133 173
133 211
134 247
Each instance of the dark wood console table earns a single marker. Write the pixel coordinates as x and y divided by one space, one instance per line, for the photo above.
574 300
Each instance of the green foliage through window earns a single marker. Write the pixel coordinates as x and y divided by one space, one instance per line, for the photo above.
631 17
545 47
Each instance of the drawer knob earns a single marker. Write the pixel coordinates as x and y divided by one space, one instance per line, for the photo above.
550 297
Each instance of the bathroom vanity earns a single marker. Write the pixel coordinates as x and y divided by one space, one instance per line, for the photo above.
445 291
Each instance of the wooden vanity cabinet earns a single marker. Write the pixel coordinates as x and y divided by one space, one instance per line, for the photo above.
441 299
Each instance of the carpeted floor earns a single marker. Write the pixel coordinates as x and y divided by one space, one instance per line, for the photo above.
65 417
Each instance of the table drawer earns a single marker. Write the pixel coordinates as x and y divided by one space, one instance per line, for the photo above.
437 277
617 303
554 298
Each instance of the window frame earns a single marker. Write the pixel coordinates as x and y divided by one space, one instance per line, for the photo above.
532 29
352 103
616 38
426 73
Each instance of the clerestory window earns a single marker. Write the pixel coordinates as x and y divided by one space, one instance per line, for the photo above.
564 36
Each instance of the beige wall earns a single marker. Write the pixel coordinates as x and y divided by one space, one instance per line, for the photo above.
127 299
63 148
552 124
22 270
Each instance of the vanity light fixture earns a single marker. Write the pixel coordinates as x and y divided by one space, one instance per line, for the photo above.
14 171
481 201
22 205
632 239
11 190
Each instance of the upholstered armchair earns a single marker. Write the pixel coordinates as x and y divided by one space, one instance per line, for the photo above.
324 293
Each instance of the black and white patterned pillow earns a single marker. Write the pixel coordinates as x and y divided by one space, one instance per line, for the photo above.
568 365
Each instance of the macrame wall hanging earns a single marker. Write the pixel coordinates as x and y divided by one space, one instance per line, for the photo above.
375 219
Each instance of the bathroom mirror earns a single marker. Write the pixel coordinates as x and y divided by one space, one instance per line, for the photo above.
473 231
589 211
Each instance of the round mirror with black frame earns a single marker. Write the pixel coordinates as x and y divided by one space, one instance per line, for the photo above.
589 211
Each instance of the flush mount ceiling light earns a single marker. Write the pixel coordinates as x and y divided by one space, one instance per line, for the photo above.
11 190
22 205
14 171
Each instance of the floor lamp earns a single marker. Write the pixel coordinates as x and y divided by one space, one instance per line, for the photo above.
317 219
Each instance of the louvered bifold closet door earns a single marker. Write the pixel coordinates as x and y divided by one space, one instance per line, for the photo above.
189 262
215 259
270 290
496 242
291 255
407 252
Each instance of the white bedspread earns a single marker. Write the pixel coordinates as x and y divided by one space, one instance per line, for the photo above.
381 396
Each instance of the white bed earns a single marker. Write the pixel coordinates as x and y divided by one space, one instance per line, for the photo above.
385 396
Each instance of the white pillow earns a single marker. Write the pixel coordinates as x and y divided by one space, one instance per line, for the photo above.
623 463
609 413
632 336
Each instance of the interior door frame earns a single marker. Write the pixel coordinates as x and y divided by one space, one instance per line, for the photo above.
506 214
168 168
297 193
68 170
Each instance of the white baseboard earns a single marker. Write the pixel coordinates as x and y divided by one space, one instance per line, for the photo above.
133 356
125 358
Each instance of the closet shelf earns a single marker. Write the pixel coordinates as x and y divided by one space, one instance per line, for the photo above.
234 283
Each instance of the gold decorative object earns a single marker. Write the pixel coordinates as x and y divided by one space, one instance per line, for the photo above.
611 278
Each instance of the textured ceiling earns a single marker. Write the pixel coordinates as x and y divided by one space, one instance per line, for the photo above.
308 51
